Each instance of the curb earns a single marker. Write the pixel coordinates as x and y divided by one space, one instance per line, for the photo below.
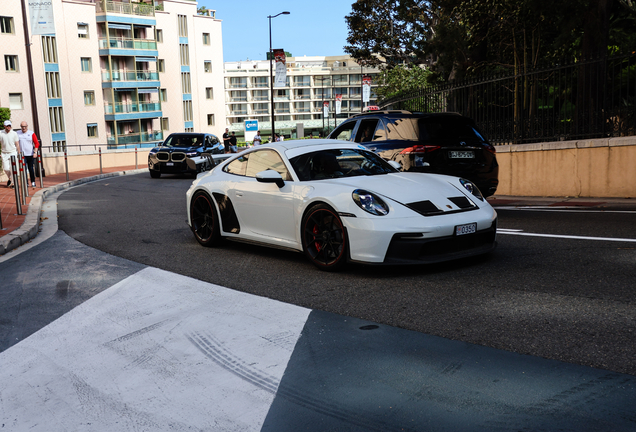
31 225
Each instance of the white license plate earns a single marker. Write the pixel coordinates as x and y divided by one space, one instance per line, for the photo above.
470 228
169 163
461 154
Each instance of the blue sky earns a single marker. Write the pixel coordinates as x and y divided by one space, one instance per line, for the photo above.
312 28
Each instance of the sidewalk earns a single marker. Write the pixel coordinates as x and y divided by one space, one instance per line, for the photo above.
19 229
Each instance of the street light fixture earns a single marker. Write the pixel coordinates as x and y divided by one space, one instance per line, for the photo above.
271 72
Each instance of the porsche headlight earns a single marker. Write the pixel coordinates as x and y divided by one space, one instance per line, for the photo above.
370 203
472 188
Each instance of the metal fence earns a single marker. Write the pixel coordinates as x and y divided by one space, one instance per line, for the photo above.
576 100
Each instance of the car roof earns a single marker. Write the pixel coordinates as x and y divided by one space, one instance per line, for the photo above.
399 113
189 134
293 148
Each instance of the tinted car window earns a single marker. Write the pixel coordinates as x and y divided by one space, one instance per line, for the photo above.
326 164
344 131
183 141
238 166
264 160
432 129
366 131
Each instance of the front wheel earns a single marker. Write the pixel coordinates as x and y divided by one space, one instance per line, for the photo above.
204 221
324 238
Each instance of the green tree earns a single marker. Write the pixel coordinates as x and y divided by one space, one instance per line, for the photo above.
203 11
5 114
401 78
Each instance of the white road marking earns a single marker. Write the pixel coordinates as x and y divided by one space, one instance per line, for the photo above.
521 233
157 351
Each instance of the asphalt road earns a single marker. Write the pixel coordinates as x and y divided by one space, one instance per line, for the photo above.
568 299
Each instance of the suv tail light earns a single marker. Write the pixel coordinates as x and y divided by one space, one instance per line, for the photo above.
420 149
491 148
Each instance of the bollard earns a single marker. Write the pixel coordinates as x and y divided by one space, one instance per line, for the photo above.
19 185
14 173
39 152
100 161
24 177
136 166
66 163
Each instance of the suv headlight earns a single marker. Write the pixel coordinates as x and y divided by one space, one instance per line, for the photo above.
472 188
370 202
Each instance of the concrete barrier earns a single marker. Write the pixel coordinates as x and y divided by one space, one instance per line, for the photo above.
87 160
586 168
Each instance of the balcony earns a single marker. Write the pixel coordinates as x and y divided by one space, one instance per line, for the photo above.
126 43
128 108
128 8
129 75
135 138
260 111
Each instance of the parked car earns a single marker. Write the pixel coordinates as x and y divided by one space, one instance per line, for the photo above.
442 143
181 153
337 201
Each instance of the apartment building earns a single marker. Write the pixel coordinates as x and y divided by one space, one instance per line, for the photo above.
115 74
311 82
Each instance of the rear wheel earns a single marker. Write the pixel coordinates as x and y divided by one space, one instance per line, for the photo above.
204 221
324 238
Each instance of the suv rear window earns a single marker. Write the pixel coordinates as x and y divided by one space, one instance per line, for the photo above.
431 129
184 141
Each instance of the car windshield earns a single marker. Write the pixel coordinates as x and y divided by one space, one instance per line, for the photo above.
337 163
183 141
432 129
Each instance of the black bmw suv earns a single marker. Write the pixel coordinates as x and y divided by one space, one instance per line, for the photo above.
441 143
171 157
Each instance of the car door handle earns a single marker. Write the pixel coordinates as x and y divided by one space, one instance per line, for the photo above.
238 194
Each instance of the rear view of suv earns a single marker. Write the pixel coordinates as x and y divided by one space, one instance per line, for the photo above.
441 143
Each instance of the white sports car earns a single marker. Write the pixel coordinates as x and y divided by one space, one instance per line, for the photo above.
337 202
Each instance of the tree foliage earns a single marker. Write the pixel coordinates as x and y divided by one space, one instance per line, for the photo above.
461 38
401 78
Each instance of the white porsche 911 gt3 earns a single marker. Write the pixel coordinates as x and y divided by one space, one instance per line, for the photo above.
337 202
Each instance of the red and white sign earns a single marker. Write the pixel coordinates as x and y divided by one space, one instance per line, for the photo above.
338 103
280 80
325 109
366 88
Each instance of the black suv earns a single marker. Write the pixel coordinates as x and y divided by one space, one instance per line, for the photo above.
441 143
172 156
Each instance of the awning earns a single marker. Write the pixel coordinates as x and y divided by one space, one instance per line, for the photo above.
82 29
146 59
119 26
147 90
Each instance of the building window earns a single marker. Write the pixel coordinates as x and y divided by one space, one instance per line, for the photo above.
49 49
165 124
53 85
161 65
206 38
15 101
89 98
159 35
91 130
163 95
59 146
87 65
210 119
11 63
183 25
187 111
82 30
186 88
56 117
184 55
6 24
207 66
209 93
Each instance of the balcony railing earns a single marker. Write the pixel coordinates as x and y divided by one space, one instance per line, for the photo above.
127 43
136 138
134 75
261 111
241 99
127 108
140 9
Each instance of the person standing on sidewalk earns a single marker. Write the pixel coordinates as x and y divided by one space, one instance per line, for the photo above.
226 140
29 145
10 147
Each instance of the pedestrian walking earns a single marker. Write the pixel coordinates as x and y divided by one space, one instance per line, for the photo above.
226 140
257 139
28 145
10 147
233 148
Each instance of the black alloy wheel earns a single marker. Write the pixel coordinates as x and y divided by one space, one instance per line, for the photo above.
324 238
204 221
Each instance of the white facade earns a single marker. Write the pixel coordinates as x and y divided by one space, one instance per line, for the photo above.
115 73
311 81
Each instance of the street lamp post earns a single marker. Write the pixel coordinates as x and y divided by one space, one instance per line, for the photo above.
271 71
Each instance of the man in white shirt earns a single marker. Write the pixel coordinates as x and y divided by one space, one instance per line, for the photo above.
28 145
257 139
10 147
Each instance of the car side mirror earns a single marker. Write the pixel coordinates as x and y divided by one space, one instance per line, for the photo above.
396 165
270 176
